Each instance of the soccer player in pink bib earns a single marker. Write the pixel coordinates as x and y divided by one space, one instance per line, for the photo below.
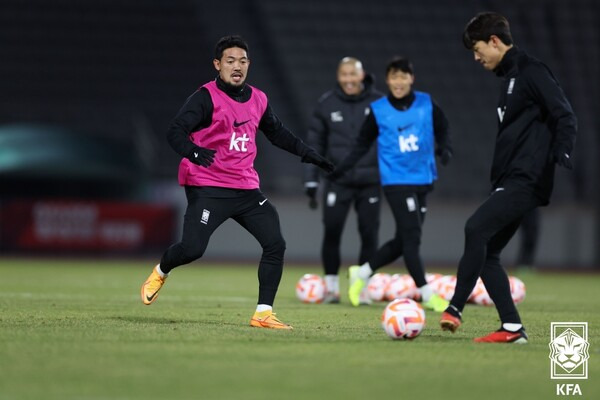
215 133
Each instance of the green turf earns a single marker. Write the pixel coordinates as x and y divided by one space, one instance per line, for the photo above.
77 330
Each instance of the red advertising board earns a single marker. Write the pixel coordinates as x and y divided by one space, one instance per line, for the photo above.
53 225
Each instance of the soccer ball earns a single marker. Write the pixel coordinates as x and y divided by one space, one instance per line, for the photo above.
311 289
388 293
479 295
403 319
444 286
401 287
432 277
377 285
517 289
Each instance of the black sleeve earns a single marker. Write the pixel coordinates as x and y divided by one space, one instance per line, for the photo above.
546 90
317 139
195 114
367 135
441 130
279 135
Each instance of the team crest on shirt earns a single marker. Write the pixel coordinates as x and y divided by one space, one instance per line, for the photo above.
337 116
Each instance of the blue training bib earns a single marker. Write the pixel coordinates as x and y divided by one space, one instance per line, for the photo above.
405 143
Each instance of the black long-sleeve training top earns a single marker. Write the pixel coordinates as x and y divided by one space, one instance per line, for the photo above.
197 112
534 117
335 125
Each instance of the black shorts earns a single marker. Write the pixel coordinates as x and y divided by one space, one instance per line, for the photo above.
207 210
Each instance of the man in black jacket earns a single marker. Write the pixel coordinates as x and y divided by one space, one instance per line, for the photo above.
333 129
536 130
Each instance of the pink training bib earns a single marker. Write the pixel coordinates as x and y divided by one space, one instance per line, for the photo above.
232 134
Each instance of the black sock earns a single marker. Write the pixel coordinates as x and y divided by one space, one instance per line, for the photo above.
452 310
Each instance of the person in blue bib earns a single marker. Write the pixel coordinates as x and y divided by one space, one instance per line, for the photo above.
410 129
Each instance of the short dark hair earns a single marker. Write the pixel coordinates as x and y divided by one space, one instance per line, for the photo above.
227 42
399 64
483 26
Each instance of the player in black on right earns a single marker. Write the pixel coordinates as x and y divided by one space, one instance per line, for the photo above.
536 131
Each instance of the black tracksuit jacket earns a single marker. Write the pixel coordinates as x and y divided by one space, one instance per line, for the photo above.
534 117
333 129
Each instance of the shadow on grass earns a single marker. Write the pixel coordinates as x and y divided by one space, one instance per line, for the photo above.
167 321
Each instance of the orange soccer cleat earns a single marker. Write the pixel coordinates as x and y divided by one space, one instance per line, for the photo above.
449 322
151 287
267 319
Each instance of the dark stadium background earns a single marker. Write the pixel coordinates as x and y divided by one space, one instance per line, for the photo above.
88 88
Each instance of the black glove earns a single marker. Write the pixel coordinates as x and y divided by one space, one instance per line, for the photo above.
560 156
445 155
335 175
313 157
311 192
202 156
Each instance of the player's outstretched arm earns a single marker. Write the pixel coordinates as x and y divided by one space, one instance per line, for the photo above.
441 131
283 138
316 137
367 135
311 156
195 114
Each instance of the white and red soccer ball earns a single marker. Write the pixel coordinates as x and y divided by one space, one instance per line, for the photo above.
311 288
431 277
377 285
403 319
479 295
444 286
517 289
401 287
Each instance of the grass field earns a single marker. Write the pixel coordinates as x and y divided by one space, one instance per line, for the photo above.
77 330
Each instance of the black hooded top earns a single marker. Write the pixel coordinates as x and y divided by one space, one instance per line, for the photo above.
333 129
534 117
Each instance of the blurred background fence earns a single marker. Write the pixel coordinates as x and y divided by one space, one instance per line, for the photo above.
88 88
